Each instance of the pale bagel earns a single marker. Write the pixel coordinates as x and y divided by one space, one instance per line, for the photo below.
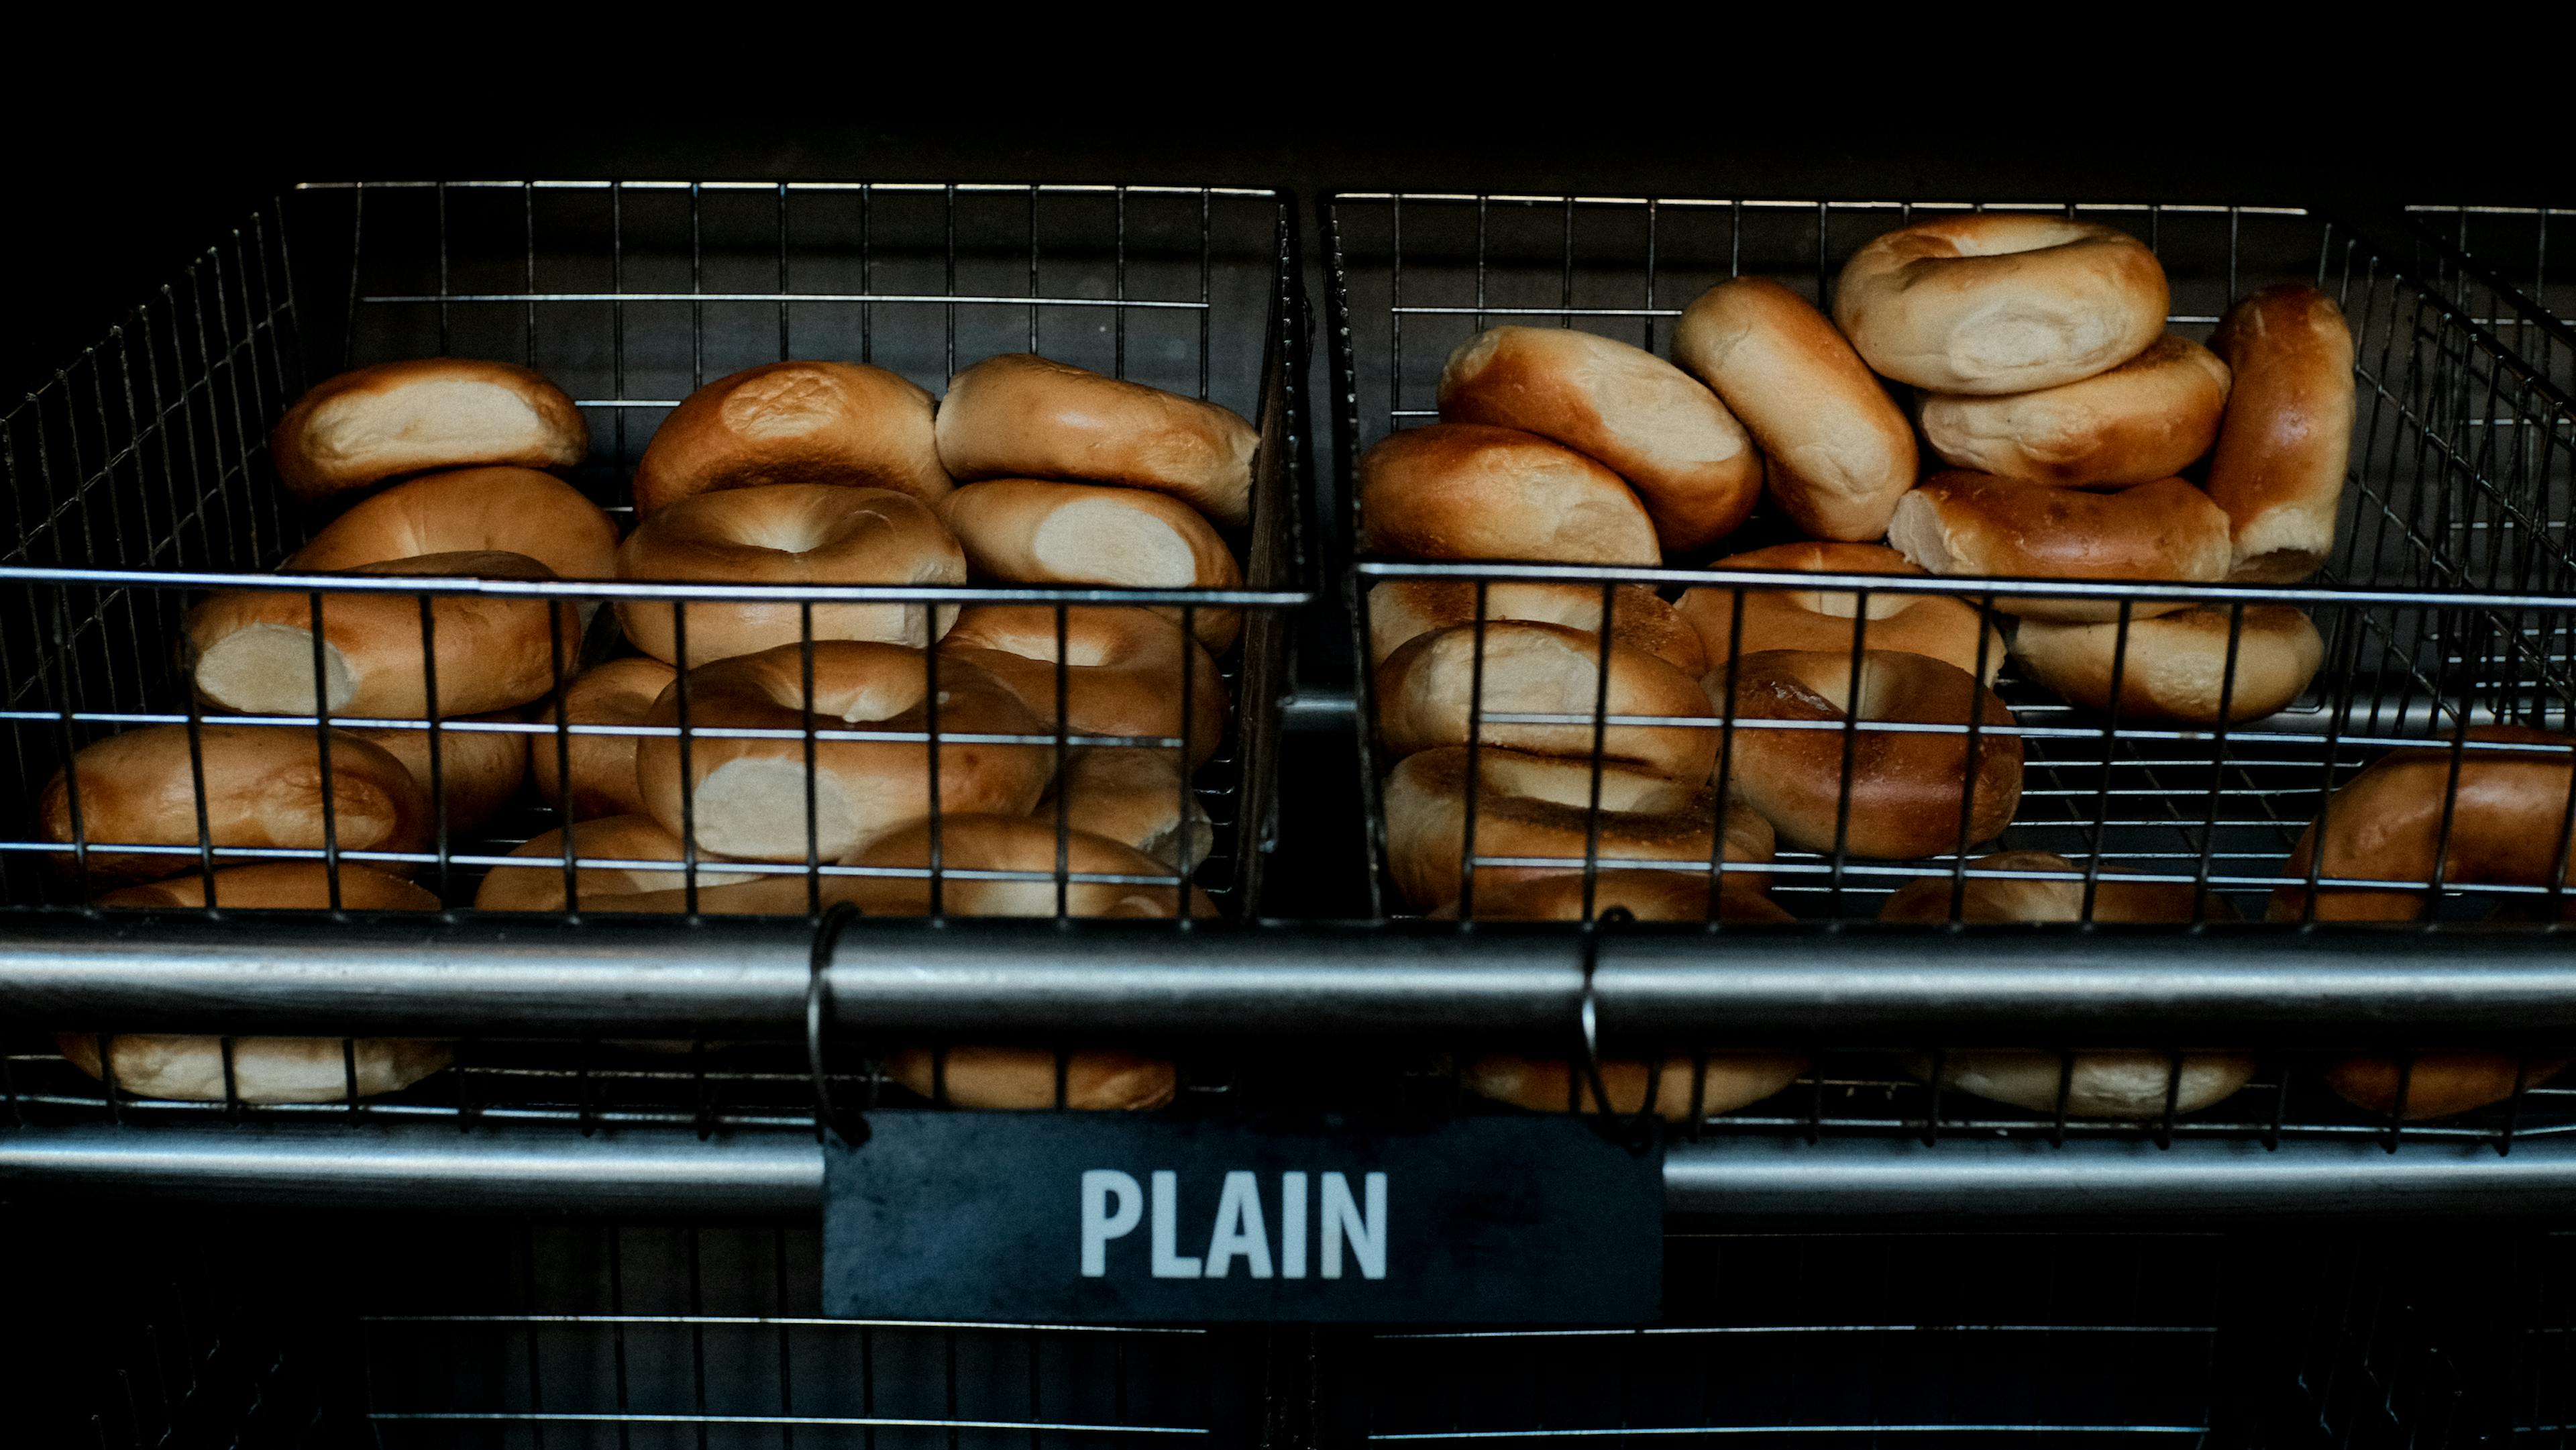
1424 691
794 422
1024 416
2000 302
1121 674
1135 797
2175 668
1403 610
785 533
2282 451
1028 531
469 510
749 797
1947 629
613 887
1977 524
620 692
1468 491
375 423
2146 419
1840 453
1688 459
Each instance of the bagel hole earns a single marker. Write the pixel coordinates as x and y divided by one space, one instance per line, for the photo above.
1097 539
756 809
267 669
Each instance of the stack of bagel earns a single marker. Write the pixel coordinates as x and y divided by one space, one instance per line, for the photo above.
681 763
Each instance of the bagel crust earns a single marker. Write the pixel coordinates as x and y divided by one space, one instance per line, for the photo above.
470 510
1424 688
1840 452
1539 807
1688 459
1647 896
374 423
620 692
1905 787
2000 302
1947 629
2386 824
1121 675
1977 524
1030 531
2175 668
478 770
1402 610
785 533
264 788
2146 419
794 422
1470 491
749 796
1022 416
1989 900
1135 797
2282 451
612 888
1718 1081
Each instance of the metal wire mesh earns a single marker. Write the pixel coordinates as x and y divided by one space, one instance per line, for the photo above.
2495 260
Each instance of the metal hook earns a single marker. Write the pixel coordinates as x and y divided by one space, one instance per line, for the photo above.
827 1118
1587 1015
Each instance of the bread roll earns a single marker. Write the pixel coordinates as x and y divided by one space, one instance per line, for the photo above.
2000 302
470 510
2282 451
1024 416
794 422
2146 419
1977 524
1468 491
2176 668
374 423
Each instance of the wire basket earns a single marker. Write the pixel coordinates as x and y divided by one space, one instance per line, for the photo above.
2495 260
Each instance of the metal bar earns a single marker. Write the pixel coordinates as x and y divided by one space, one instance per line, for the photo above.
2251 986
1838 1182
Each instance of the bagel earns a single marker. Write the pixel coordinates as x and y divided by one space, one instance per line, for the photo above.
1540 807
478 770
1977 524
748 797
251 650
1026 531
2279 470
2129 1084
1653 424
264 788
1402 610
1727 1080
2146 419
1947 629
1027 1079
1647 895
1121 676
617 888
1424 689
2435 1084
1841 454
1018 415
264 1069
1135 797
2388 823
373 423
794 422
620 692
785 533
1469 491
2000 302
2175 668
1905 787
1027 847
465 511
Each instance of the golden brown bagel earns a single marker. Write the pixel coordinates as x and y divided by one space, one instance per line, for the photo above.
1840 453
1975 523
785 533
749 796
1018 415
1648 896
1026 531
478 770
1135 797
374 423
794 422
1122 674
470 510
264 787
2175 668
2279 469
1402 610
1668 436
1022 845
617 888
2436 1084
1468 491
2101 1084
2146 419
251 650
1424 689
1999 302
1540 807
2386 824
1905 787
620 692
264 1069
1024 1079
1947 629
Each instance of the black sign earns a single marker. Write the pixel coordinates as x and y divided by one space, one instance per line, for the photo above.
1106 1218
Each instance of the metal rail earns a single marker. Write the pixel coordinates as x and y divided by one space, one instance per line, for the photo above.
500 1168
1856 986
